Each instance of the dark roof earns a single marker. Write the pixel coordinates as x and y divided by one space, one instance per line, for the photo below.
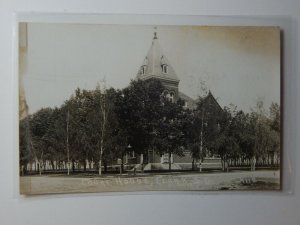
185 97
208 97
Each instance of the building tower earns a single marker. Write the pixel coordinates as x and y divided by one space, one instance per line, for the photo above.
157 66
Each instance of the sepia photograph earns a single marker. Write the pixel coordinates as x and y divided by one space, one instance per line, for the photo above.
127 108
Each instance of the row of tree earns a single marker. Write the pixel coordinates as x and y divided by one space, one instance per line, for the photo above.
99 125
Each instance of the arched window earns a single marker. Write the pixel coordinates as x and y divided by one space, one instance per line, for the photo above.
164 68
172 96
143 70
165 92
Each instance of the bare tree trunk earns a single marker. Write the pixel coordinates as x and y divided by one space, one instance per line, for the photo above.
101 155
104 112
169 154
39 169
122 162
105 166
100 167
84 165
73 165
253 163
52 165
223 163
193 164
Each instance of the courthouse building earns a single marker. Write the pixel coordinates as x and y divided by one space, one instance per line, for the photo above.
156 66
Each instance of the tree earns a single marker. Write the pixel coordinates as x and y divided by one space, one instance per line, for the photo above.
245 134
275 117
25 155
116 137
103 114
267 132
55 138
139 109
39 127
78 134
274 132
224 142
99 110
169 135
205 127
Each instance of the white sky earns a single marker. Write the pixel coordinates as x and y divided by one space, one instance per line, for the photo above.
239 65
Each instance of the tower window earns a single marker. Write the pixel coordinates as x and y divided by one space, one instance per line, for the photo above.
165 68
143 70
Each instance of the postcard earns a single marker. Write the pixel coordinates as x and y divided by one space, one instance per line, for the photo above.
123 108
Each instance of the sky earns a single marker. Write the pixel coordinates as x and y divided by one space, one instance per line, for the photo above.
239 65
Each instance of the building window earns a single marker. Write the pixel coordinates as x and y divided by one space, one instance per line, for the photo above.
164 68
185 104
172 97
165 93
131 154
143 70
